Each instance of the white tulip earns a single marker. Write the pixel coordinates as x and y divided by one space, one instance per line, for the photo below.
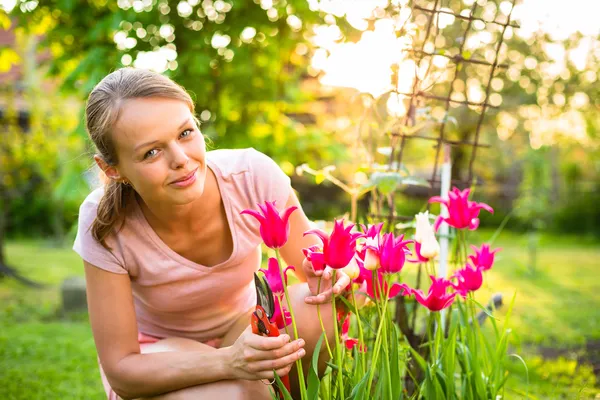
352 269
423 226
371 260
430 246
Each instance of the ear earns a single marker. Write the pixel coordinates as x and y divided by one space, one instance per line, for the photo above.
110 171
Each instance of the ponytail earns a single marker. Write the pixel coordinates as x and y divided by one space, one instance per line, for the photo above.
110 209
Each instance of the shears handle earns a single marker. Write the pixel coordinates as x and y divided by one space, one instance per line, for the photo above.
262 326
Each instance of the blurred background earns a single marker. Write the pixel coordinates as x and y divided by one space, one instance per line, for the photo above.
320 87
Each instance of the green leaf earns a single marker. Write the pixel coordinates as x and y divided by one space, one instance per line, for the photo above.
395 365
358 392
313 372
286 394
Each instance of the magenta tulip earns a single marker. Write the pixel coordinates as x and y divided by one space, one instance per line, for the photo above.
469 279
314 254
376 289
340 246
274 277
437 298
463 213
392 253
349 342
274 227
483 257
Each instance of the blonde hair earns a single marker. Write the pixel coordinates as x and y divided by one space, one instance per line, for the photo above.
102 111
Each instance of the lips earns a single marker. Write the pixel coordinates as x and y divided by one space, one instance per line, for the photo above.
185 177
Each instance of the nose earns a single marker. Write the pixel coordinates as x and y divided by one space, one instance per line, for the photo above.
179 157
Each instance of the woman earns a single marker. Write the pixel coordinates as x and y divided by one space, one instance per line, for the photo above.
169 259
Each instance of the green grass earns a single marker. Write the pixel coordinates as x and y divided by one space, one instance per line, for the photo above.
46 355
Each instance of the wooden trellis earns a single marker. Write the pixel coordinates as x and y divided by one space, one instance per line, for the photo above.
425 47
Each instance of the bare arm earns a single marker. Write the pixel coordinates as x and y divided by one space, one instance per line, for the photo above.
133 375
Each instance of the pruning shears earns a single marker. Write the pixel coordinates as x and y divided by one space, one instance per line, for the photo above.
261 317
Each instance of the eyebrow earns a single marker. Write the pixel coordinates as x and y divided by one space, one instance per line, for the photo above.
156 141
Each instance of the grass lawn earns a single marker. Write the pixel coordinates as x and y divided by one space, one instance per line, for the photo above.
44 355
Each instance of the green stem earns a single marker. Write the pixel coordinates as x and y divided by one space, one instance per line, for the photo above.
321 321
337 342
386 338
301 380
360 331
379 336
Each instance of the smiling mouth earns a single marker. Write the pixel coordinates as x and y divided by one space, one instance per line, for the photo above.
186 177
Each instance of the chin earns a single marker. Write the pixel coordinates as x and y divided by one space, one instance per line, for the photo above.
187 195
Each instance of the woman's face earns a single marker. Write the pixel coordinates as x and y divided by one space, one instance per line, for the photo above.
161 151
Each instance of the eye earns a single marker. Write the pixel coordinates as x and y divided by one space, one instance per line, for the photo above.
186 133
150 153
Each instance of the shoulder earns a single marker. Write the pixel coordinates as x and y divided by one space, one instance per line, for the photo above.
89 207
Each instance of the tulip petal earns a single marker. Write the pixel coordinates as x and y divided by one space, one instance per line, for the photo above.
255 214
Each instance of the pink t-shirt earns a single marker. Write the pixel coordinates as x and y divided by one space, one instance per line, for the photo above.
172 295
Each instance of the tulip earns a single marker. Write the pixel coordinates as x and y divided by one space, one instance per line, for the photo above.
274 277
348 341
483 257
430 246
352 269
437 298
420 258
469 279
340 247
423 226
371 255
368 252
314 254
274 227
392 253
463 213
376 289
281 316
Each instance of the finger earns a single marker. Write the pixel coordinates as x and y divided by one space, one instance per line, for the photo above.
283 351
322 298
342 282
327 273
309 269
279 363
267 343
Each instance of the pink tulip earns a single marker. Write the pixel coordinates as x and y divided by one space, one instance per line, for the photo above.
281 320
368 252
348 341
437 298
274 227
420 258
274 277
372 232
463 213
469 279
340 246
392 253
376 289
314 254
483 257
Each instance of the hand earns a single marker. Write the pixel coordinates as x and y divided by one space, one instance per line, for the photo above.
254 357
325 291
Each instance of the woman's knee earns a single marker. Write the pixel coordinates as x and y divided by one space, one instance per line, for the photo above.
233 389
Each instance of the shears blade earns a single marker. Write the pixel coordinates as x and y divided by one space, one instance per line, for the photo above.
264 295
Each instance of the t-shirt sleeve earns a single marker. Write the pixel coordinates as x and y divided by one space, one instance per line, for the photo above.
88 248
270 182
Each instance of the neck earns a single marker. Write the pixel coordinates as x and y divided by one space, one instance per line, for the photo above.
183 218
